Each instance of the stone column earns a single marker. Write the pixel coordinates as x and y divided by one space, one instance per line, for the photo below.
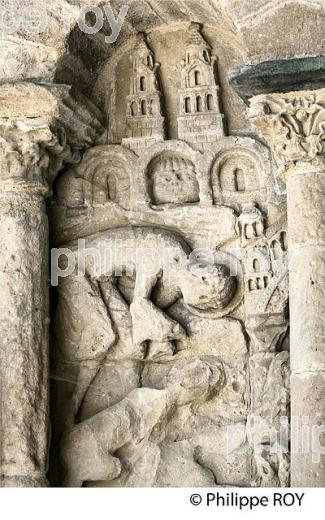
290 116
34 143
24 336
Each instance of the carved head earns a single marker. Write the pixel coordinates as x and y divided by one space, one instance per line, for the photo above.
195 380
207 286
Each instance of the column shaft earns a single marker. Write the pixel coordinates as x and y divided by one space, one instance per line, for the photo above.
306 225
287 107
24 338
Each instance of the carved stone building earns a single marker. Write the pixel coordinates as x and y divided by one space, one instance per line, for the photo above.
200 122
170 176
144 121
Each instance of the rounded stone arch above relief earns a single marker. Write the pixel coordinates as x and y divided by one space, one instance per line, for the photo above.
172 173
105 172
239 174
172 178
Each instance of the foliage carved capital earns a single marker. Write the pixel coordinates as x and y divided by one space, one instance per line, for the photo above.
42 127
293 124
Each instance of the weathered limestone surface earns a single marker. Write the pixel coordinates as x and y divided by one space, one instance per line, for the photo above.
32 149
170 179
177 374
24 413
293 124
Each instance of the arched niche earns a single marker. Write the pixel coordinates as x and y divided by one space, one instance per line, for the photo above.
171 178
237 174
106 176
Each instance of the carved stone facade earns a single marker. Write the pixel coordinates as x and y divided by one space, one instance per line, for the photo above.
179 222
144 120
179 357
200 121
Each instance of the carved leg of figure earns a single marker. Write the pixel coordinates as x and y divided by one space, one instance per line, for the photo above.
85 459
149 323
87 373
87 449
82 340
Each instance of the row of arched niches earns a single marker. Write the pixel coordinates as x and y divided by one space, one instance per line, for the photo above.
235 171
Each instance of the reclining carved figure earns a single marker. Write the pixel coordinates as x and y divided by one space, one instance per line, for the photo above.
88 450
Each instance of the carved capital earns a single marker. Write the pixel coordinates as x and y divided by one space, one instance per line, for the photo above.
293 124
42 127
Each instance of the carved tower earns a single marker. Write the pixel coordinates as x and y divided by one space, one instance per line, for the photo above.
200 121
144 120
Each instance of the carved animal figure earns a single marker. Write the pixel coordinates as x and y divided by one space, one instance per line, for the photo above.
151 255
89 450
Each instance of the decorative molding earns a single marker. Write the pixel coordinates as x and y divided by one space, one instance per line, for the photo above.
293 125
43 127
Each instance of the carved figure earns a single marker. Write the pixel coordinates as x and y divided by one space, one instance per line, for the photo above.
154 255
89 449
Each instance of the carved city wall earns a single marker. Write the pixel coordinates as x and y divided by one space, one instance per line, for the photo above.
165 377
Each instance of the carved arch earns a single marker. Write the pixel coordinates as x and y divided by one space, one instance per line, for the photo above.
105 171
236 174
172 178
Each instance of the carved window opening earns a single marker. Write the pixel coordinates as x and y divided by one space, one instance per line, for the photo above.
188 105
284 241
235 172
142 84
266 282
210 103
133 109
199 104
256 265
143 107
206 56
249 231
197 78
276 249
104 188
259 283
251 285
239 180
158 84
149 61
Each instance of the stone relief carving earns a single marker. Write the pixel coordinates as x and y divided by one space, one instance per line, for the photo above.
236 174
293 125
96 183
144 120
174 360
87 450
266 296
172 179
200 121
